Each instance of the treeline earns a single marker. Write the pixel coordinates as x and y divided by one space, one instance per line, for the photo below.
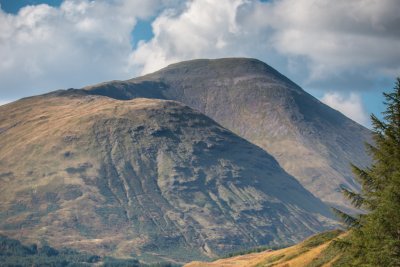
374 239
14 254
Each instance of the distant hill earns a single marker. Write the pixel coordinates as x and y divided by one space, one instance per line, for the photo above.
310 140
150 179
316 251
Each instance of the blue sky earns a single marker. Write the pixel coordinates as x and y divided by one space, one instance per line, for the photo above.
343 52
141 31
13 6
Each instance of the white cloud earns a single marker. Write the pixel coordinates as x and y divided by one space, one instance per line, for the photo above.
350 105
44 48
339 45
205 28
330 41
336 36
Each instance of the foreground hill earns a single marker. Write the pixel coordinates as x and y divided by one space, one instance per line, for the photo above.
151 179
317 251
310 140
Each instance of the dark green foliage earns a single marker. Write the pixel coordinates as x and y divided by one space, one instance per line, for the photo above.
13 253
375 236
13 247
163 264
112 262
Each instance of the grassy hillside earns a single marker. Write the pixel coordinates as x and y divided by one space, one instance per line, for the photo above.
150 179
316 251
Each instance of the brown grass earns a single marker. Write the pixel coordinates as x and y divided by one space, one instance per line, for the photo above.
295 256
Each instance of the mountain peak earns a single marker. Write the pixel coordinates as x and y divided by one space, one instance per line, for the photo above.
311 141
241 63
223 68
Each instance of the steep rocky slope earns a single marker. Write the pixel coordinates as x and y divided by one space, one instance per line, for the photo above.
310 140
147 178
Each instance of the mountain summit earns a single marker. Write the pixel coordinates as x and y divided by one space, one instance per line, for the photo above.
310 140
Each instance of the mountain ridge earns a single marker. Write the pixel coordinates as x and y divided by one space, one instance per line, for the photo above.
310 140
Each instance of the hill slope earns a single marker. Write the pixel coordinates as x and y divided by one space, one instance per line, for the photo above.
146 178
316 251
310 140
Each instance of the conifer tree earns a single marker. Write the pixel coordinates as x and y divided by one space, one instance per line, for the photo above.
374 238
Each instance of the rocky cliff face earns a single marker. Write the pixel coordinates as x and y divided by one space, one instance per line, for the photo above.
310 140
147 178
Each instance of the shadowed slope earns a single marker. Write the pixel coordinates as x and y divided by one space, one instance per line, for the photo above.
148 178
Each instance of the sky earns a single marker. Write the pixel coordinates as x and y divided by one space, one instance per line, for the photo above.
345 53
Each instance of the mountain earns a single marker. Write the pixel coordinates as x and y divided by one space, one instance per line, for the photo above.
146 178
310 140
316 251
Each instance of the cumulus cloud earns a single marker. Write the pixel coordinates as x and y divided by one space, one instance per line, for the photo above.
319 40
204 29
350 105
359 36
44 48
323 45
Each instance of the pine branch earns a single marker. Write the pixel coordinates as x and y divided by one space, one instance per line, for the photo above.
364 178
349 220
378 124
356 199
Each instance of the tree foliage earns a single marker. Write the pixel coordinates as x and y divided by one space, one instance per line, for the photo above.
15 254
375 235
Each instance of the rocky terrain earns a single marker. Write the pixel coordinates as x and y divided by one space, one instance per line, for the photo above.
310 140
154 179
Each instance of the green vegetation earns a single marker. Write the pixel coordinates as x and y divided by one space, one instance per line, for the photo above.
375 236
313 242
252 250
320 239
329 254
310 243
13 253
316 251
